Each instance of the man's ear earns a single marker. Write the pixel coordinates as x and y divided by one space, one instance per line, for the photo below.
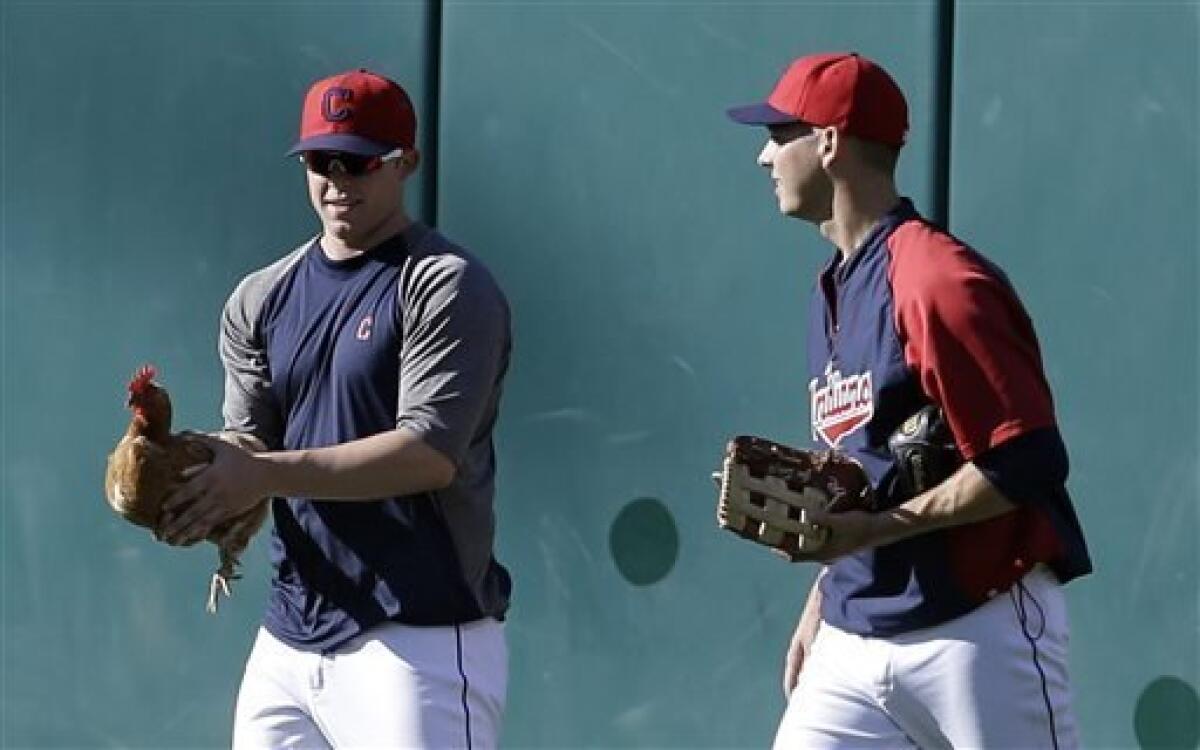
409 161
829 145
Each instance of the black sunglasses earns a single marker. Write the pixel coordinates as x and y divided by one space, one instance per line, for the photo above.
326 163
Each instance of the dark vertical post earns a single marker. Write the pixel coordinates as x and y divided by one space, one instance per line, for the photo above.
432 101
943 92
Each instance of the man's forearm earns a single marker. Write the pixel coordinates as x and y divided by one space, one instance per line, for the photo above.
388 464
966 497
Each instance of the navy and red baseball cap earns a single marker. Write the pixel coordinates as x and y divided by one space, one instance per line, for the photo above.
842 90
357 112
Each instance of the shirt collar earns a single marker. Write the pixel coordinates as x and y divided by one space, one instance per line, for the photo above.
897 215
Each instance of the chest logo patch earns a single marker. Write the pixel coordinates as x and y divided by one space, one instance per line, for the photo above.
840 404
364 328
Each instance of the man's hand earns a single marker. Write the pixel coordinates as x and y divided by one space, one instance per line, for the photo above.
794 661
849 531
802 639
229 486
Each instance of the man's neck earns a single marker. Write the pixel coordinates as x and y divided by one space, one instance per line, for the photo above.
857 210
338 249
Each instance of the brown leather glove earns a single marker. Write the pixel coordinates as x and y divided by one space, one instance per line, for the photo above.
767 489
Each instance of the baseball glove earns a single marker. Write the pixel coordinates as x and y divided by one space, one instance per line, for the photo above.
924 450
767 490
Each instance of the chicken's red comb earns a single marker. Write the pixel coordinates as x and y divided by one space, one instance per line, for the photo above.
141 379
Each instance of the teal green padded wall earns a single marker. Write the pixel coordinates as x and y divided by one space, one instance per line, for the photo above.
143 173
659 306
1074 164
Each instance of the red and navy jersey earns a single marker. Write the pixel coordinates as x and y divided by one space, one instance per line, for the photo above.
916 317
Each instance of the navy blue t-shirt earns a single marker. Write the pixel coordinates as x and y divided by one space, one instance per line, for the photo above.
411 335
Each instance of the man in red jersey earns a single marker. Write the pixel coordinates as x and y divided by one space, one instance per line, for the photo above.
940 621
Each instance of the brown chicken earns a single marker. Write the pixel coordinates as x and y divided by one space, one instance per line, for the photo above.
150 462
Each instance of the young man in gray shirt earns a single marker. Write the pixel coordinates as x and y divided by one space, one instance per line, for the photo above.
368 365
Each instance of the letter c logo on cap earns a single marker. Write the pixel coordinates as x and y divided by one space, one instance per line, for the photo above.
335 105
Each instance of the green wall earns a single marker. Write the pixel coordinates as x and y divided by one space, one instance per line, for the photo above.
659 301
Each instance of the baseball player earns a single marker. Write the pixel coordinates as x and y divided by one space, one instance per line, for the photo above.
368 365
938 622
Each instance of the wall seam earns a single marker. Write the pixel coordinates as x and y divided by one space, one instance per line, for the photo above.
943 94
432 105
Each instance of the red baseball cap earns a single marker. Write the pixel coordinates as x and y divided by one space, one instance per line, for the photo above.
358 112
842 90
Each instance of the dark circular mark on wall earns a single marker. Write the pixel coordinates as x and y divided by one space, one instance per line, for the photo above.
644 541
1167 715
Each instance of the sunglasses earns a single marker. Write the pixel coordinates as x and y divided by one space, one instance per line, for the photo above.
326 163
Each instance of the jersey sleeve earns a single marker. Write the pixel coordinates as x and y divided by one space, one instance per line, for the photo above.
967 337
249 406
1028 468
454 353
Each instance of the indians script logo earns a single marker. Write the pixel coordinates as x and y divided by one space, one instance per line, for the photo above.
840 405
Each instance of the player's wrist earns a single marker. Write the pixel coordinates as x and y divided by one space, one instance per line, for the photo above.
900 523
269 473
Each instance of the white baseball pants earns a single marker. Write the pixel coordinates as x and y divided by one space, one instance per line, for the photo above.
395 686
994 678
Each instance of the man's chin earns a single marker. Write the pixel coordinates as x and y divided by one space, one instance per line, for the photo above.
340 230
792 210
797 211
